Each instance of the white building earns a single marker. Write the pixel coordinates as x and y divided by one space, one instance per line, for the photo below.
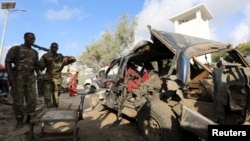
194 22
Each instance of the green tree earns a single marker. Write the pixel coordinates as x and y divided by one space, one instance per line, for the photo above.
111 45
244 48
216 56
125 32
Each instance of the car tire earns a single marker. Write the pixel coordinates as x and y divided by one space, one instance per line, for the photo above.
156 121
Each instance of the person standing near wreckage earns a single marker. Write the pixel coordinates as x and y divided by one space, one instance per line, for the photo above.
21 63
53 62
73 82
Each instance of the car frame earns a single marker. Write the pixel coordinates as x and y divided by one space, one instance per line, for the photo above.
193 93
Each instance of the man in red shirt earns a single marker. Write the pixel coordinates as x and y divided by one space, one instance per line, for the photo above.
73 85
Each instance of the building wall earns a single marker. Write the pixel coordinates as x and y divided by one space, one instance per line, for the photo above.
194 25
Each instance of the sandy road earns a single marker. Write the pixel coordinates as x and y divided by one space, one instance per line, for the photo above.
95 126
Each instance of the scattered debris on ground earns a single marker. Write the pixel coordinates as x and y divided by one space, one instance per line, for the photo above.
95 126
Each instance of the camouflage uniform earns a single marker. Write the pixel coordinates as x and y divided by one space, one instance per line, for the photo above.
23 72
52 79
40 89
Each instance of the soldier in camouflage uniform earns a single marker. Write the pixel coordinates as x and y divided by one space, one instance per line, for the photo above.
40 88
54 63
21 63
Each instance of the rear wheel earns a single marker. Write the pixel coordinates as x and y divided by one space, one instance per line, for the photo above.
157 122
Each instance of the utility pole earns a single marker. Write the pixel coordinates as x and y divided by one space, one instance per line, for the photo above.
8 6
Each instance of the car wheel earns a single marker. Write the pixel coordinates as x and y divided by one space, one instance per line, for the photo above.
156 121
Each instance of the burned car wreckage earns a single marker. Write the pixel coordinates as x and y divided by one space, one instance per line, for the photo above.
186 91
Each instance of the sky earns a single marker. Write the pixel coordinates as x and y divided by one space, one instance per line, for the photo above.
75 24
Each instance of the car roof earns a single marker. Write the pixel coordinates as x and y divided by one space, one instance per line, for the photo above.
168 44
176 42
180 47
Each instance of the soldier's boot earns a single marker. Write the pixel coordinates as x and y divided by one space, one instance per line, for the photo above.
56 103
19 123
28 119
47 103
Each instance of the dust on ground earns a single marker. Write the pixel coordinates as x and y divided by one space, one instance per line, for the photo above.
95 126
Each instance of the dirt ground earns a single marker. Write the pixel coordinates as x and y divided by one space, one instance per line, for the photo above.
95 126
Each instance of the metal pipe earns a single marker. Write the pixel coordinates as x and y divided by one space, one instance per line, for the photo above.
8 6
3 36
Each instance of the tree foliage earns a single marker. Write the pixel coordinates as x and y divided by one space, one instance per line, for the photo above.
111 44
244 48
217 56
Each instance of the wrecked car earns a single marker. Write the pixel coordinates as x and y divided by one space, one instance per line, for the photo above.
186 89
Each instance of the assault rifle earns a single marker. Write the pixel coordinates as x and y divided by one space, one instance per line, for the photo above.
40 48
71 59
